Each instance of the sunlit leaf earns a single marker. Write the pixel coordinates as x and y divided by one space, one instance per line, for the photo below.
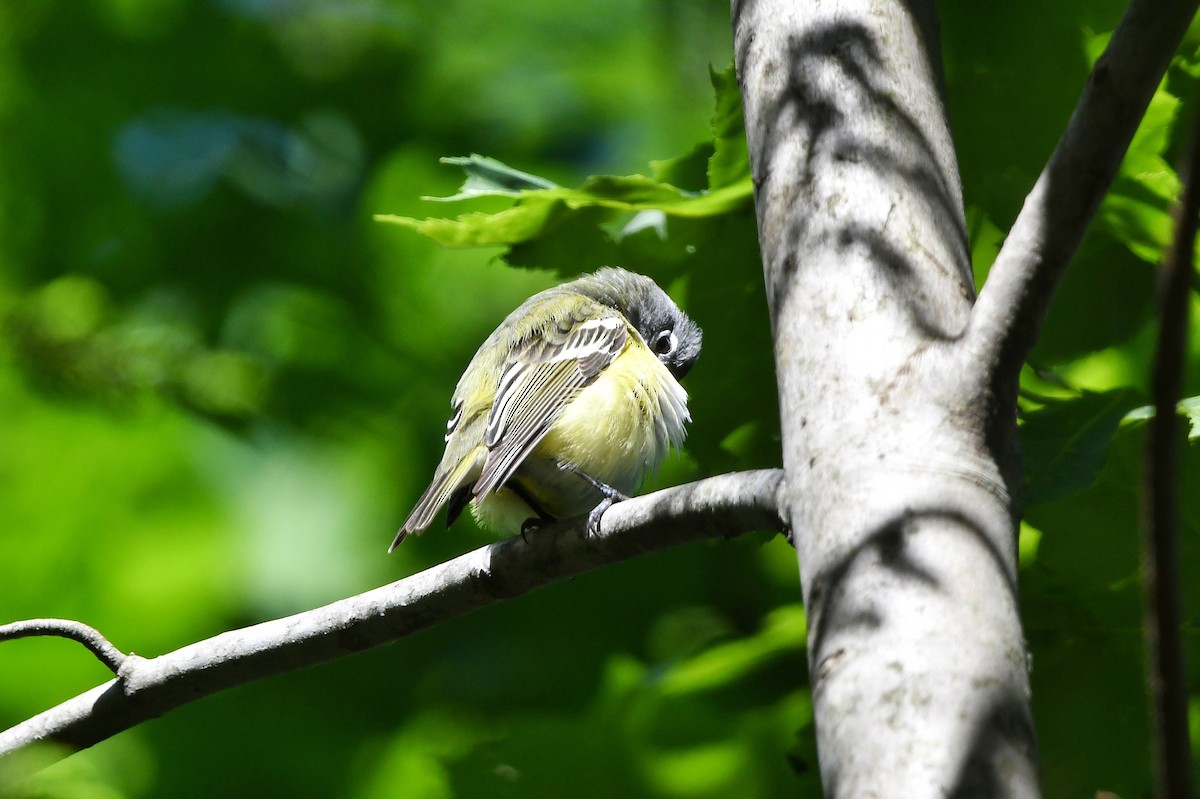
489 177
1189 407
1138 207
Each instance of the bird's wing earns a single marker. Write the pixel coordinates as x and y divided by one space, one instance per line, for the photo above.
538 381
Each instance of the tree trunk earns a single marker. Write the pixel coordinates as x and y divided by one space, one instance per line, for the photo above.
898 453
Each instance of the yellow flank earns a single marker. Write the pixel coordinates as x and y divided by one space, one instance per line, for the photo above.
607 431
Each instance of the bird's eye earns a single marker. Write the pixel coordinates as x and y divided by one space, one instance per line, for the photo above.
664 343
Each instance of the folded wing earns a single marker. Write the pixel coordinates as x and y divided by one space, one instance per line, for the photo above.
538 381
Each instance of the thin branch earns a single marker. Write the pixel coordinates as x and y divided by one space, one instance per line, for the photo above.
1163 615
1013 303
90 637
721 506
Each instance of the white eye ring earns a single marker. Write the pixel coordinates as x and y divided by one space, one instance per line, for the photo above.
664 343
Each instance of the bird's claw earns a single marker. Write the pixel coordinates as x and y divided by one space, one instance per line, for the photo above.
611 497
532 524
593 521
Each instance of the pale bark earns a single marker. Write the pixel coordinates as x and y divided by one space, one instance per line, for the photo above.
902 511
898 399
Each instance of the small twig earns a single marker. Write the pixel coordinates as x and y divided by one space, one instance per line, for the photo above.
1163 617
90 637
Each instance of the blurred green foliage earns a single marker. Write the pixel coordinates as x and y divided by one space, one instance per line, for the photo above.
222 383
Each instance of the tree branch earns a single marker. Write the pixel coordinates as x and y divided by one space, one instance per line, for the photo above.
905 527
721 506
90 637
1012 304
1167 673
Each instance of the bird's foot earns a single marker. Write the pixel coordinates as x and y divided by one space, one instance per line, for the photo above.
611 496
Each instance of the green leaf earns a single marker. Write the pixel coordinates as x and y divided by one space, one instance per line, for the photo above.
572 241
1105 273
712 179
536 210
1137 210
522 222
730 162
1064 444
489 177
689 171
1189 407
784 631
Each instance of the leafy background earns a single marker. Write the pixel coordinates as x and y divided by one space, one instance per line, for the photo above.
222 383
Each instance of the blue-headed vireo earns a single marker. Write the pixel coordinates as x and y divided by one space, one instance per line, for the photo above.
566 407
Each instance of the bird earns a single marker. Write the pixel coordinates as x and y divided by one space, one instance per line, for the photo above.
566 407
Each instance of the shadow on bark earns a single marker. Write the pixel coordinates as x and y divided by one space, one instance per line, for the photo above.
838 122
832 605
1005 727
836 80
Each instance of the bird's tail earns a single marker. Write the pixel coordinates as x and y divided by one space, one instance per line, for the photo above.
446 484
